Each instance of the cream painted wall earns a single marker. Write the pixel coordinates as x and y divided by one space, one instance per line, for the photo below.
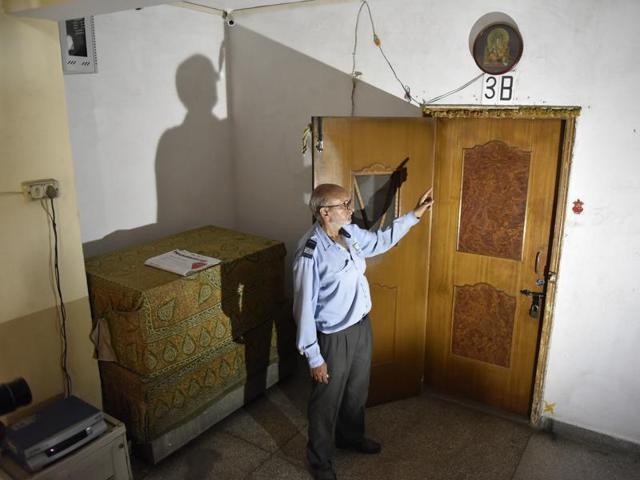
146 166
34 144
575 54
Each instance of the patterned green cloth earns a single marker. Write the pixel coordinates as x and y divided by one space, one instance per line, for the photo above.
151 407
160 321
183 342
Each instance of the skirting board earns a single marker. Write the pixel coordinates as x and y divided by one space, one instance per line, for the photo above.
589 437
168 443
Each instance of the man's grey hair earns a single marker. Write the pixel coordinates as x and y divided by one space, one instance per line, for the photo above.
321 195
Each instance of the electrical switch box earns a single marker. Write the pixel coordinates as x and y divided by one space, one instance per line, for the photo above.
39 189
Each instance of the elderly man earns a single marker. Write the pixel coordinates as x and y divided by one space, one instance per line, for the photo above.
331 306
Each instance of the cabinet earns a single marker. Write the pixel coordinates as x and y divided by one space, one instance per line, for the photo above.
188 351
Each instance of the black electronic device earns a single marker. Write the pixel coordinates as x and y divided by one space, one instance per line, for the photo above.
53 432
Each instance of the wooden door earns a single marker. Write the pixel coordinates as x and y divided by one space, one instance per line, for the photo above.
494 190
361 154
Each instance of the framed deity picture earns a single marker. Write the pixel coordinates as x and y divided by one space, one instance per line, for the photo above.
497 48
78 45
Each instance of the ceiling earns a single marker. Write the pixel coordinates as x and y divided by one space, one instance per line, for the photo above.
65 9
239 4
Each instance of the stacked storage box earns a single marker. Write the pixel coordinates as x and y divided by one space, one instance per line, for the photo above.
190 350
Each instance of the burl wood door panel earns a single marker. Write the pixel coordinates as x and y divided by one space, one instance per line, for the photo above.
360 154
494 186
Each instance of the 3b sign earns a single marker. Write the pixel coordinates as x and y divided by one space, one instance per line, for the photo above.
498 89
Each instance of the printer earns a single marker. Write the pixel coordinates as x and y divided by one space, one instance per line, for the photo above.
53 432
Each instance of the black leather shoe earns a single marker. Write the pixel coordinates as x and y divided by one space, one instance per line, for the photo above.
324 474
366 445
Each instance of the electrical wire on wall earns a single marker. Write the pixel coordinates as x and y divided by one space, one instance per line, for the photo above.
378 43
52 193
455 90
355 74
222 11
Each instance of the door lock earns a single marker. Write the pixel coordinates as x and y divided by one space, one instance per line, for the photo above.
536 302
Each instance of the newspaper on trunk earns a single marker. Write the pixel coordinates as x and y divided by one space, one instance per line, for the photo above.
181 262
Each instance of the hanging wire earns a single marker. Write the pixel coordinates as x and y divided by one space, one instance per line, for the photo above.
200 7
68 386
244 9
378 43
354 73
455 90
277 4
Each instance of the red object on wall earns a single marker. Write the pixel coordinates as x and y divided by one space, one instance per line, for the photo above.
577 207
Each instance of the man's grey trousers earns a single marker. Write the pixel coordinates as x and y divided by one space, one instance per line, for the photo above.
336 409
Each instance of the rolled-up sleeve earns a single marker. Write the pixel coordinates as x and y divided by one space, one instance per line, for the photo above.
306 285
375 243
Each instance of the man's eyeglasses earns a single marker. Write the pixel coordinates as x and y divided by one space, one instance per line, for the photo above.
347 205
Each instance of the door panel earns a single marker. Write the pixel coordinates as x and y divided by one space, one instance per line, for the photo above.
361 155
494 187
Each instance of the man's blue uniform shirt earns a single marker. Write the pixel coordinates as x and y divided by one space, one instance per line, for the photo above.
331 292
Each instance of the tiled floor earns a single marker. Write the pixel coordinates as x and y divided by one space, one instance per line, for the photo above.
423 437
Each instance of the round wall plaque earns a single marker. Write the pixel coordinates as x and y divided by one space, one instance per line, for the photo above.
497 48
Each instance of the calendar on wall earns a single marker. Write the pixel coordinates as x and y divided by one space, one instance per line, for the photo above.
78 45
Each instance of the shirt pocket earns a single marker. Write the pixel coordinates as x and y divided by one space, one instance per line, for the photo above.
340 265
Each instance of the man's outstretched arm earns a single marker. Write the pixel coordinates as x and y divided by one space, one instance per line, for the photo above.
375 243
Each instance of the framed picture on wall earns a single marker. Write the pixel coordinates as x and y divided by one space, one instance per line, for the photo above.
497 48
78 45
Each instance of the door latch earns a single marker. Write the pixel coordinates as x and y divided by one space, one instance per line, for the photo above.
536 302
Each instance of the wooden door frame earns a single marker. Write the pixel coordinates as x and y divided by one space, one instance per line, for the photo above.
568 116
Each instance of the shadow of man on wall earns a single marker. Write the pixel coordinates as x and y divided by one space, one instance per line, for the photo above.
193 168
191 172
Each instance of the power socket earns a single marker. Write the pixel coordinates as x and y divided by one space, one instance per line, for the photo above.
39 189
